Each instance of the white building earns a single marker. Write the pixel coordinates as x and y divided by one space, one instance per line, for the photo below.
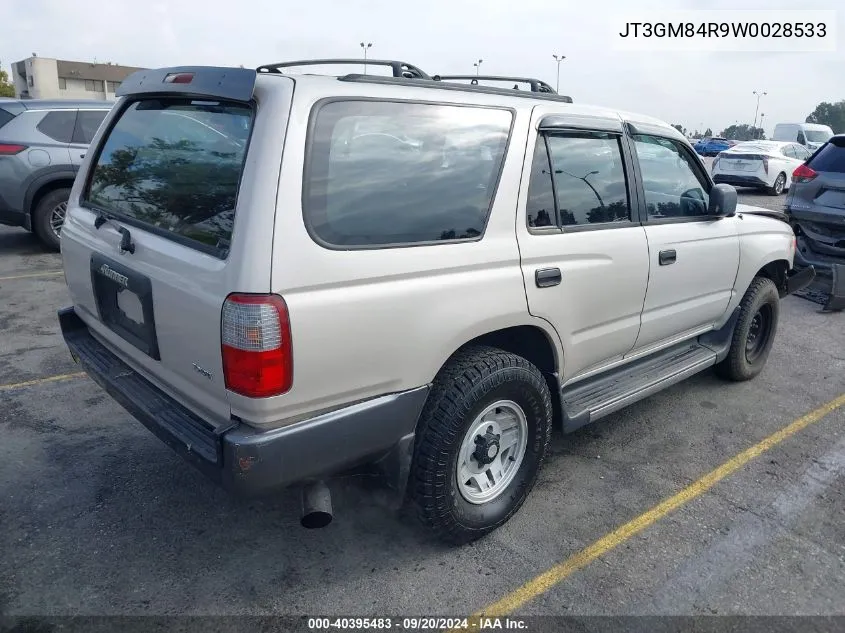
46 78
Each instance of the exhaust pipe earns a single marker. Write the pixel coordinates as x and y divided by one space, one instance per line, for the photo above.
316 506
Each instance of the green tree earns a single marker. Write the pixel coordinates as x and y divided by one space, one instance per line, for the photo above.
680 128
832 114
7 89
743 132
708 132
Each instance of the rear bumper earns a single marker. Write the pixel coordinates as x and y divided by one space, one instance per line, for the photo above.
739 181
244 460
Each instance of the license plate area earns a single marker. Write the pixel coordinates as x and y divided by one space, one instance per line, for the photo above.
125 303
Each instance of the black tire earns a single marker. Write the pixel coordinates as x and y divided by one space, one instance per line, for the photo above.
43 214
754 333
780 183
473 380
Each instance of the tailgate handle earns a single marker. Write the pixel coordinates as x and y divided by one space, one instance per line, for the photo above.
667 257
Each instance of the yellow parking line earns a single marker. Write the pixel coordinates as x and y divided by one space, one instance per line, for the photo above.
561 571
41 381
50 273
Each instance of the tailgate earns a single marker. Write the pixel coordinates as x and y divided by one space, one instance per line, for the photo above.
149 245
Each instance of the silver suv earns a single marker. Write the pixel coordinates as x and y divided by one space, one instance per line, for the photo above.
286 276
42 144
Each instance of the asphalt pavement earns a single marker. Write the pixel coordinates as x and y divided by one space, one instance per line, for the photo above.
98 517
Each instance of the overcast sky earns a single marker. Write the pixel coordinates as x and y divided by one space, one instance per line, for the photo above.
445 36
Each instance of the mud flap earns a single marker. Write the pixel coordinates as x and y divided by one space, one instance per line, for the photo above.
836 300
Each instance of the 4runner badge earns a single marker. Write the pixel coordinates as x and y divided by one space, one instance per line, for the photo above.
123 280
202 371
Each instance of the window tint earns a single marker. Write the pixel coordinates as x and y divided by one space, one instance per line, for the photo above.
388 173
5 117
175 165
788 150
87 122
589 179
830 157
540 207
58 125
672 185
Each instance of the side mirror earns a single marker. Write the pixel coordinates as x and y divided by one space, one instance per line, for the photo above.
722 201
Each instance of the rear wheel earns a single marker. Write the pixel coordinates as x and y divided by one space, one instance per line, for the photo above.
754 333
780 182
49 217
480 442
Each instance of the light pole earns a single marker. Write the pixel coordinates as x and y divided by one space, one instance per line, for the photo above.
762 131
365 47
757 109
558 59
477 66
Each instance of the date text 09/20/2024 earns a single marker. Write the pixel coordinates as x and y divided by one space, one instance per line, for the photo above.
417 624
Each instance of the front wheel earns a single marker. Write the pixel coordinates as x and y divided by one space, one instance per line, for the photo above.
754 332
480 443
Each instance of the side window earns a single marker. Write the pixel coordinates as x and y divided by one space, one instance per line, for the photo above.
788 150
386 173
802 152
87 123
58 125
540 207
673 186
801 138
589 178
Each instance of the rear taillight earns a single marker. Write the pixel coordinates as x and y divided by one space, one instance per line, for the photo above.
803 173
256 342
10 149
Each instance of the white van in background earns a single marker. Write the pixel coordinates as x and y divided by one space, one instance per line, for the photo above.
810 135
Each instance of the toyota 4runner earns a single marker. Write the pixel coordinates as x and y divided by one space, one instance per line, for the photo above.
287 276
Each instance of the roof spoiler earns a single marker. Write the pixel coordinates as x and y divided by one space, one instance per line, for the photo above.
235 84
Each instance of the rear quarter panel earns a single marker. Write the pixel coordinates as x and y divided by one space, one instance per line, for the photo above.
369 322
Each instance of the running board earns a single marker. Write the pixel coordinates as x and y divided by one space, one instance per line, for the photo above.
596 397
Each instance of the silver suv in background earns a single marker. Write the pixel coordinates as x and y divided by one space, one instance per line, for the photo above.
42 144
286 276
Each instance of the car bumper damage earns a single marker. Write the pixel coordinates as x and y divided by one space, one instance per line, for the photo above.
248 461
821 245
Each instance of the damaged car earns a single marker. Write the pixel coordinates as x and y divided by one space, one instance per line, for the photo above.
816 210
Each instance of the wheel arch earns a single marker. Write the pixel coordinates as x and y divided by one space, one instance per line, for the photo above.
41 186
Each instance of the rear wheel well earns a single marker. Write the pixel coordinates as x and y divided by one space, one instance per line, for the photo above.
532 344
44 189
777 272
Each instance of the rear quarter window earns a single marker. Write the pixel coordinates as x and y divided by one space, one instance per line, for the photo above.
58 125
830 157
389 173
174 166
5 117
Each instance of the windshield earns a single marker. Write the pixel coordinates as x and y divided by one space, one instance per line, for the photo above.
817 136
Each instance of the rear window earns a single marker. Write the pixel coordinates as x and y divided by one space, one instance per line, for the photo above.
388 173
174 166
830 157
5 117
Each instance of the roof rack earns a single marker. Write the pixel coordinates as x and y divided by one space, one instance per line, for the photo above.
536 84
400 69
445 85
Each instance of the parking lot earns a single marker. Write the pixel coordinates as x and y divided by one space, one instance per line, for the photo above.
98 517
